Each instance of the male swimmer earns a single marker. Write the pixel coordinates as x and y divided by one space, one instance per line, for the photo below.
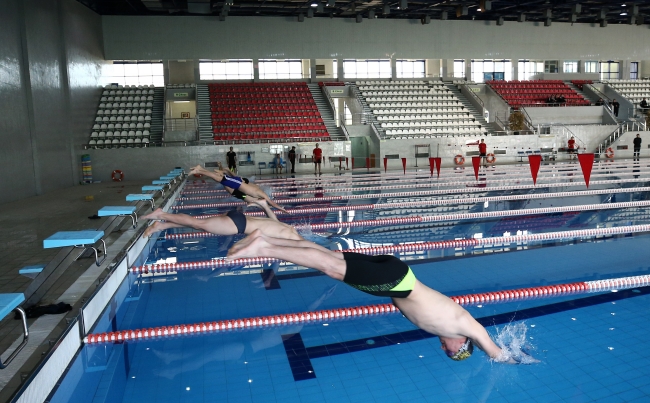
385 276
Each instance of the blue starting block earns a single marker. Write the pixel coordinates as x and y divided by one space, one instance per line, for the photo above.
168 178
8 303
78 239
31 271
154 188
140 197
161 182
121 211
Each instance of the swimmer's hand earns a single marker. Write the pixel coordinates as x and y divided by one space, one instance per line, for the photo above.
506 357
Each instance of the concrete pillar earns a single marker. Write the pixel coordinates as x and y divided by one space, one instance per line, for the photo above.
432 67
624 69
468 69
312 69
339 68
515 68
644 68
393 69
447 71
256 69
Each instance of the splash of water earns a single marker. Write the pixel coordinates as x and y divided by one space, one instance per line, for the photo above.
514 344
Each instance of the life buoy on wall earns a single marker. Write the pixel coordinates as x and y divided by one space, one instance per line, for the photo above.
609 153
490 158
459 160
117 175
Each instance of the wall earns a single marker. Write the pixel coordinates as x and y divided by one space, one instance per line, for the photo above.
163 37
568 115
180 72
175 109
626 139
50 71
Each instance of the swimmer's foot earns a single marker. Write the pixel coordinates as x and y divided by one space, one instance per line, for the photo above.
153 228
251 246
154 215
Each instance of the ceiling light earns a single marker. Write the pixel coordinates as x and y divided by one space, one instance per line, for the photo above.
623 13
478 9
314 5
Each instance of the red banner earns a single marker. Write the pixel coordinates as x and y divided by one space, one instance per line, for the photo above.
438 163
404 165
385 164
476 162
586 163
432 164
534 161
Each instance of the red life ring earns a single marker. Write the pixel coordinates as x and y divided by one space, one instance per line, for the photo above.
459 160
490 158
117 175
609 153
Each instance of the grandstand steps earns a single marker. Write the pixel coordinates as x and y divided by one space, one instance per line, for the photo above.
326 112
204 114
581 92
157 116
485 126
368 115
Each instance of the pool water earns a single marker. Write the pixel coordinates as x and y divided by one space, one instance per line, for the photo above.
589 345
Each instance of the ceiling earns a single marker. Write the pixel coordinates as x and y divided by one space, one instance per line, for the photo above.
547 11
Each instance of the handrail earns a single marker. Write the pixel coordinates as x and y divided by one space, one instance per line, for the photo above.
345 131
480 101
374 130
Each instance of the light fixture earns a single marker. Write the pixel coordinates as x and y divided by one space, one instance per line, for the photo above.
623 13
371 14
314 5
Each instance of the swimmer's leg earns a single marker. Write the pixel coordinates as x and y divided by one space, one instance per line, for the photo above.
220 225
303 253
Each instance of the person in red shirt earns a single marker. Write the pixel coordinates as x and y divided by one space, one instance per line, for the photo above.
482 151
317 155
571 147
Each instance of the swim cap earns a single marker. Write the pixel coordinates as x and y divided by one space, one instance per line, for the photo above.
465 351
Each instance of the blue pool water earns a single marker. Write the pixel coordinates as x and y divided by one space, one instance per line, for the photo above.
590 346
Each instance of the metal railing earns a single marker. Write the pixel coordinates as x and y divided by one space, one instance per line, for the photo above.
476 97
181 124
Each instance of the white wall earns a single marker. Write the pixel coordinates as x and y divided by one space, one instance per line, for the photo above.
626 139
568 115
161 37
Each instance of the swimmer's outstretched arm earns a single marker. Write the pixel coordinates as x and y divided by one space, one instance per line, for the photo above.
482 339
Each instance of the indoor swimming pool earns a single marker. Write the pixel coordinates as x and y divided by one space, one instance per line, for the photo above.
461 235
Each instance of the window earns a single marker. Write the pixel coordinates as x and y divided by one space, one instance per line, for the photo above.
366 69
459 68
528 68
410 68
280 69
609 70
137 73
570 66
335 68
591 67
226 70
550 66
487 69
634 70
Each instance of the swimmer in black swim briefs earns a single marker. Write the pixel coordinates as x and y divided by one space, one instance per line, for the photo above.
382 276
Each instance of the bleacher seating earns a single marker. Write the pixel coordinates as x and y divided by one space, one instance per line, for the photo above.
278 112
581 83
123 117
535 93
418 109
632 90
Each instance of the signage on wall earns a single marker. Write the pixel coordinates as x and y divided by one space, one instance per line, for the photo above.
474 89
337 91
181 94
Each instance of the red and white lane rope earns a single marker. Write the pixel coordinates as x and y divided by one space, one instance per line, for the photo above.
549 291
411 194
412 247
380 222
439 202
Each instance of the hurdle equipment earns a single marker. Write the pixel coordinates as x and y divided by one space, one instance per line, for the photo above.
120 211
78 239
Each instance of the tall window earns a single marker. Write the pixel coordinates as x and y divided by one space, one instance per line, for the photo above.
226 70
591 67
410 68
459 68
335 68
634 70
487 69
137 73
609 70
276 69
528 68
570 66
366 69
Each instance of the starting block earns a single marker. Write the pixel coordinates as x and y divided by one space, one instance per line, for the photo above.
78 239
140 197
162 182
8 303
31 271
121 211
154 188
